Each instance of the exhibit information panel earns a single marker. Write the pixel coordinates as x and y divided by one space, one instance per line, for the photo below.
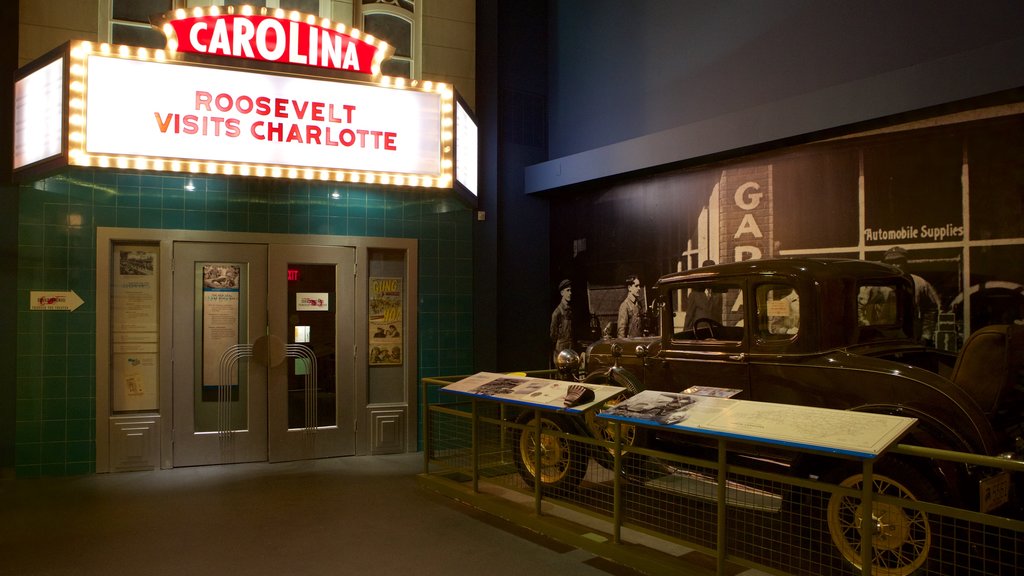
857 434
529 391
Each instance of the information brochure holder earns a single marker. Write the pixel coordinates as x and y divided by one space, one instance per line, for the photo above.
538 393
856 435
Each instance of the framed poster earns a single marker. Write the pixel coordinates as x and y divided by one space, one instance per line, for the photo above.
386 325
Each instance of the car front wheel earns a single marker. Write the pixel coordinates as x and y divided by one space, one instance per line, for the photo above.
562 462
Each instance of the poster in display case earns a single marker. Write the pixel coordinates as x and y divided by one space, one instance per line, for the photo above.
134 310
221 296
386 325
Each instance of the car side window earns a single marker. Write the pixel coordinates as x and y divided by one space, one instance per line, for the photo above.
778 312
876 305
707 311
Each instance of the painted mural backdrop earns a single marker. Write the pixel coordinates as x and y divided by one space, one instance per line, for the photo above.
945 203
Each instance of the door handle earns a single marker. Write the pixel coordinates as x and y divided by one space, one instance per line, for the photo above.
268 350
737 357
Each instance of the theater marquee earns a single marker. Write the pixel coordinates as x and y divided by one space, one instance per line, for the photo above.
136 108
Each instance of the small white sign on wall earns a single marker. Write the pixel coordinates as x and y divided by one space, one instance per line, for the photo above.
312 302
54 300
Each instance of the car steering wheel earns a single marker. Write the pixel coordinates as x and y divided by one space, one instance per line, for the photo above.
710 326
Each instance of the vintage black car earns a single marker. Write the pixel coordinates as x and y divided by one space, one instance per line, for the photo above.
828 333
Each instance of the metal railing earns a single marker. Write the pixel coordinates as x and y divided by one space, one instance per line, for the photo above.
773 523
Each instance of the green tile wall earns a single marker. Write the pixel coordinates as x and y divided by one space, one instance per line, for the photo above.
58 216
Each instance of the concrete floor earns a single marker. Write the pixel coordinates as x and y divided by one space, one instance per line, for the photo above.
355 515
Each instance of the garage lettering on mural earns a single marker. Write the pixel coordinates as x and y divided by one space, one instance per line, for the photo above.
748 198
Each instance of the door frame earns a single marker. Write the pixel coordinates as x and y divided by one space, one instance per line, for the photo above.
367 414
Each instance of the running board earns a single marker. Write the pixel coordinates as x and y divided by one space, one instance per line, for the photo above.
703 487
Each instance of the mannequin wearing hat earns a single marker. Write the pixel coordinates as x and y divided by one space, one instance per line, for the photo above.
561 319
926 299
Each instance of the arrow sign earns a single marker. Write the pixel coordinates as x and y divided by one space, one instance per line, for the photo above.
52 300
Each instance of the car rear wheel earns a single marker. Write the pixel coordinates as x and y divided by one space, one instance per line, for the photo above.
902 537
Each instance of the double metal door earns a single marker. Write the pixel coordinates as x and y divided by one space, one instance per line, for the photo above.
263 349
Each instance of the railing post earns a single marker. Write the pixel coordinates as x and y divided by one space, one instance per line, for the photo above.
617 486
537 472
720 499
867 522
476 447
427 443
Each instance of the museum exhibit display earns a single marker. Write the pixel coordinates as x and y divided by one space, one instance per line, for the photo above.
782 357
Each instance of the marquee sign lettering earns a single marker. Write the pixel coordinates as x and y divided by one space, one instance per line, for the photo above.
272 36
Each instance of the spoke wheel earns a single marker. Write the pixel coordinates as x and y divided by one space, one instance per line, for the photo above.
605 430
562 462
901 538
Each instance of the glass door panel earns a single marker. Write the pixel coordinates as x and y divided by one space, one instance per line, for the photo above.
221 389
312 315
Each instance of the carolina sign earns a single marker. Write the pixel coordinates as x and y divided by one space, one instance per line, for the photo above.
271 39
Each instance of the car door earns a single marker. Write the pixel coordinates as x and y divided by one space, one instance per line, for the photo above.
707 345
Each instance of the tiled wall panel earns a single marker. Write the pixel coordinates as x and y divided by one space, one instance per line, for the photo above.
56 387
